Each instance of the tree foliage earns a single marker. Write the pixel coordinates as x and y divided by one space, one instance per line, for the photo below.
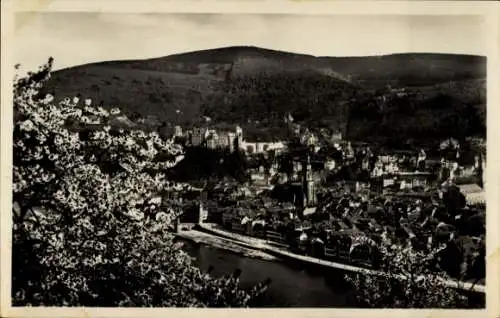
422 113
409 281
308 96
432 113
90 225
201 163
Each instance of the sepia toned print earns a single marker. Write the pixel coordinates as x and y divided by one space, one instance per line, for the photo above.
237 161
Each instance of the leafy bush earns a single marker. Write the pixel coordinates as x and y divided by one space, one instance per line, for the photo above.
90 226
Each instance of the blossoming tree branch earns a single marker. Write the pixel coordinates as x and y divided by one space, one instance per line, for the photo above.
91 226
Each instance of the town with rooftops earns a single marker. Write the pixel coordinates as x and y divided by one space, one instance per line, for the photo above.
326 198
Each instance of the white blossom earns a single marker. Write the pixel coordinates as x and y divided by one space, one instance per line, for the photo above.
27 125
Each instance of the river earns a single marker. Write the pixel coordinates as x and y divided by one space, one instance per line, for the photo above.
292 285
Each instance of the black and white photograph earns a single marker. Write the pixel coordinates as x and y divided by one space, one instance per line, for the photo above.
246 160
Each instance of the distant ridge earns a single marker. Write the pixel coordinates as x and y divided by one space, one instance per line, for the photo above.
229 53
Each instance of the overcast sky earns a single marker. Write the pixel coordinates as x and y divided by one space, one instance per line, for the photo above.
78 38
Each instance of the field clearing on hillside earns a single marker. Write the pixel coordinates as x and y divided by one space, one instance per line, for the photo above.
137 91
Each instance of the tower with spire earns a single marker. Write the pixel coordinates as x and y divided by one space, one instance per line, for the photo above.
308 185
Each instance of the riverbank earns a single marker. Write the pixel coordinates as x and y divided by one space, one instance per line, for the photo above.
263 246
220 242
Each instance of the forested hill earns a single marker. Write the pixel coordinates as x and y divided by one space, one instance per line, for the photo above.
410 69
400 92
308 96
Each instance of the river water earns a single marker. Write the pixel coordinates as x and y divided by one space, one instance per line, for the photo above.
291 286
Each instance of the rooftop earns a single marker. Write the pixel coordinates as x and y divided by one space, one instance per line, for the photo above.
470 188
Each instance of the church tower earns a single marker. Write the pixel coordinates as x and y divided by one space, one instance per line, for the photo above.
239 136
309 186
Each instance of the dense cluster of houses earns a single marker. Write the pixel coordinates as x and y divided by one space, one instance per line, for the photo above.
388 172
402 195
347 226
